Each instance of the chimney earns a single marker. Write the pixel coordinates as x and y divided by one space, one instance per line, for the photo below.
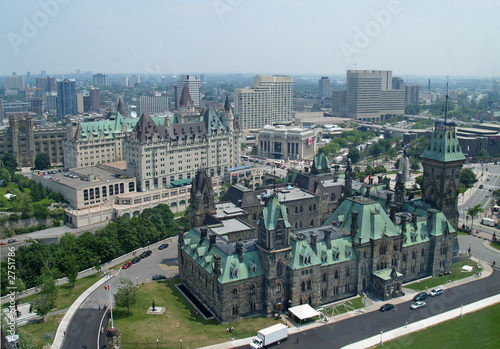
403 224
429 220
392 214
328 238
313 241
212 240
180 240
203 233
354 223
216 265
239 250
414 217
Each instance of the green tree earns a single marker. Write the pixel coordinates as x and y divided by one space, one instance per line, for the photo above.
9 162
47 296
419 181
71 269
353 154
42 161
467 177
126 294
4 176
474 212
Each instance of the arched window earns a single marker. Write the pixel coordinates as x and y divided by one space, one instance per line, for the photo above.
296 225
323 278
311 223
254 216
405 257
278 288
383 249
336 275
310 207
235 293
394 262
302 286
314 207
296 209
301 209
348 272
423 252
413 255
279 269
309 284
252 289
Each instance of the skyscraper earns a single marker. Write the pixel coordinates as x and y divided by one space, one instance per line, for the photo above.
95 98
152 105
134 80
193 84
268 101
100 79
412 93
324 87
66 97
369 96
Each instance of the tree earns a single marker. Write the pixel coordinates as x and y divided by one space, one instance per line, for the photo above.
42 161
353 154
47 296
474 212
126 294
4 176
420 181
71 269
467 177
9 162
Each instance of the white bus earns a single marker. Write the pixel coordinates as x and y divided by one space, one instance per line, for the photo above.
489 222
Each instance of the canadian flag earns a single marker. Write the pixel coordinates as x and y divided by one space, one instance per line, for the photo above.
309 141
106 287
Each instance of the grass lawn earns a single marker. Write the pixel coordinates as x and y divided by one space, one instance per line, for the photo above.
140 330
456 274
476 330
64 298
495 245
43 332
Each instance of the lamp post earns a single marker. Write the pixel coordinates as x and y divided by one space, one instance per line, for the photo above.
137 282
156 343
180 342
381 342
148 245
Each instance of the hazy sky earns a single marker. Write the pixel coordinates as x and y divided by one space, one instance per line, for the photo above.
420 37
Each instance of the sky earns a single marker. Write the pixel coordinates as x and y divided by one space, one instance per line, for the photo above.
409 37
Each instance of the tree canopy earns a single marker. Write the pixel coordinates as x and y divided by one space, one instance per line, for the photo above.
42 161
467 177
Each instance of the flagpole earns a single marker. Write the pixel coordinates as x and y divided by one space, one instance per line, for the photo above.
110 306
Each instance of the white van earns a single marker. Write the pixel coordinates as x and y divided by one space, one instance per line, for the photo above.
489 222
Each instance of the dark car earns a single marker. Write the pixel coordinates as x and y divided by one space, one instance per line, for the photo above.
159 277
420 296
163 246
146 254
387 307
136 260
11 241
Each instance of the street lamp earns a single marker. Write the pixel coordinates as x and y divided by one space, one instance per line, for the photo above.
381 332
180 342
137 282
156 343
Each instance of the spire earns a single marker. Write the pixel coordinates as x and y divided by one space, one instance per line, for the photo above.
78 133
446 102
186 97
121 107
227 104
145 128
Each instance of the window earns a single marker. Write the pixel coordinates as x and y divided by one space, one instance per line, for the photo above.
131 186
91 192
348 272
85 195
111 190
97 195
303 286
279 269
278 288
104 191
235 293
336 275
309 285
252 289
235 310
122 188
423 252
323 278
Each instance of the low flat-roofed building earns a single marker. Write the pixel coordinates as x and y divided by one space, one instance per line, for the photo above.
280 142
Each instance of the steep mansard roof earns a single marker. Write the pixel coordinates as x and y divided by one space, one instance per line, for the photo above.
186 97
443 145
200 180
273 211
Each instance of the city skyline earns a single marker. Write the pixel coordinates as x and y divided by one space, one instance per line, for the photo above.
257 37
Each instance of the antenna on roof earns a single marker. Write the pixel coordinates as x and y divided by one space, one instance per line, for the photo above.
446 101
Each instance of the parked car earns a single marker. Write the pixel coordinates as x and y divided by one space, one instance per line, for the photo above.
159 277
136 260
420 296
146 254
11 241
436 292
387 307
417 305
163 246
127 265
2 243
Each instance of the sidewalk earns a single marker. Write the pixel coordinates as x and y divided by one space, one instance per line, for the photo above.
105 267
417 326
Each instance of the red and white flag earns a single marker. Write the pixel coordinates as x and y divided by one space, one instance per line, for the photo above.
309 141
106 287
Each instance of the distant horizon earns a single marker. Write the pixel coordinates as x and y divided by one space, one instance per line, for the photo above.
283 37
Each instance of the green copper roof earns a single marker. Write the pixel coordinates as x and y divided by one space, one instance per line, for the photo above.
385 274
321 163
373 221
114 126
272 212
443 145
231 267
304 256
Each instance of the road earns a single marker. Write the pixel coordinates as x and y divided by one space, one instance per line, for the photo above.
84 327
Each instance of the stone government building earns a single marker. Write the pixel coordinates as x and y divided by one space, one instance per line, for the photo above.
374 241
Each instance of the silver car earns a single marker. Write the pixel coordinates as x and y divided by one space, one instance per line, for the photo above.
417 305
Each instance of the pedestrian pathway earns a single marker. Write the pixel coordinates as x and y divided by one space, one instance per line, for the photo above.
375 305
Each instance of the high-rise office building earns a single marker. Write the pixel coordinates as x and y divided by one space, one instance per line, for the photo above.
79 103
124 81
193 84
369 96
14 82
95 98
100 79
152 105
398 83
412 93
66 97
324 87
134 80
45 85
268 101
